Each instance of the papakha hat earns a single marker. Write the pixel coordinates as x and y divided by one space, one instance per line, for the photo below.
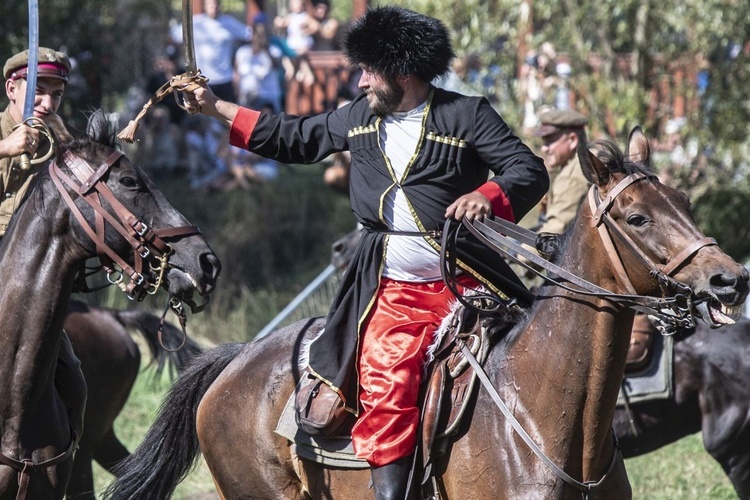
396 41
52 64
557 120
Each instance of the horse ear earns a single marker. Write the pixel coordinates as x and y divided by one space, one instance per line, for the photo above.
638 149
595 171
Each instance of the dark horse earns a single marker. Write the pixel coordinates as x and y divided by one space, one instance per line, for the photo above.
711 394
116 213
110 362
558 371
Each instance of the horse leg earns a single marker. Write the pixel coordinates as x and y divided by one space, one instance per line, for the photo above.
110 361
81 484
110 452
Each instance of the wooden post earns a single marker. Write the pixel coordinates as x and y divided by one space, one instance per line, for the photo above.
359 7
525 26
254 7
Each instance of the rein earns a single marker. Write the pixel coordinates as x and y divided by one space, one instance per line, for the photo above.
674 311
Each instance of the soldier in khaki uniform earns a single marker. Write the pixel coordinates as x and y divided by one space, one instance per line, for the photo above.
15 139
560 131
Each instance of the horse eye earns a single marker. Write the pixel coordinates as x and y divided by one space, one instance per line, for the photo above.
637 220
128 182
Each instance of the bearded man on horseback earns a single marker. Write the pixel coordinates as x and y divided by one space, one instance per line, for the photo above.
420 155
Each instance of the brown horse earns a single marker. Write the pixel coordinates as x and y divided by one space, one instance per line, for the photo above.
558 371
710 370
711 394
116 213
110 362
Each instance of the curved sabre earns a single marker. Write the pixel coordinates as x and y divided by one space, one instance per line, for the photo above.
191 68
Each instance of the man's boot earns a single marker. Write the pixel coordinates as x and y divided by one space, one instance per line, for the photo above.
391 480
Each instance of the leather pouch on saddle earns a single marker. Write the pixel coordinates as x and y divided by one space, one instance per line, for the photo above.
319 409
641 341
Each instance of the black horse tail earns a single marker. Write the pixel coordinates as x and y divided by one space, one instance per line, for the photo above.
148 324
170 449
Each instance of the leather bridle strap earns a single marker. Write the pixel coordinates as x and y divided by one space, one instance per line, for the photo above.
26 466
557 275
147 244
683 256
607 227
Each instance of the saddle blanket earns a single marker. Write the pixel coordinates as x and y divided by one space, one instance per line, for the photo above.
655 380
333 451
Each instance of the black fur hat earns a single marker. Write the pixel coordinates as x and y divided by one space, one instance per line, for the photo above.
396 41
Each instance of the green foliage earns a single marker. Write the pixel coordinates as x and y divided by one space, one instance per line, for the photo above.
726 211
272 240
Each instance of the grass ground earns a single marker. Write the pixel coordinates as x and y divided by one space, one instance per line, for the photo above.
681 471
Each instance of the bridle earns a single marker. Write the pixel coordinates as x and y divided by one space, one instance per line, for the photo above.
151 251
674 309
606 226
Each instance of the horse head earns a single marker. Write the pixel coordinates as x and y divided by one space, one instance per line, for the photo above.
118 214
660 249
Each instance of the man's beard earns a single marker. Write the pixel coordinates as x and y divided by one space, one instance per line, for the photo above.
385 101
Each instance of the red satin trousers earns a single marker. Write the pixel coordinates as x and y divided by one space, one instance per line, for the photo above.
396 336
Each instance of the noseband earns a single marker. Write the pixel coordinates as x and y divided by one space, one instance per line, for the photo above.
148 244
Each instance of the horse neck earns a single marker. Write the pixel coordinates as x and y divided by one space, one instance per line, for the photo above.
571 355
37 266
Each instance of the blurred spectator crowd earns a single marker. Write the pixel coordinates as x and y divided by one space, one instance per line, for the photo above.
251 65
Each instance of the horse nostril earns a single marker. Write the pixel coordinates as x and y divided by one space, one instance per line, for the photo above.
210 265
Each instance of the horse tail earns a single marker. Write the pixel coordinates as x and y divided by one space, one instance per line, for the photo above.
148 325
170 449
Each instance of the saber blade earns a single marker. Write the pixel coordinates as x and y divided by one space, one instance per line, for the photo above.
28 104
191 68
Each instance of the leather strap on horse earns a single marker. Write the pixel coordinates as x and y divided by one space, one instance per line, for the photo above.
26 466
584 487
185 82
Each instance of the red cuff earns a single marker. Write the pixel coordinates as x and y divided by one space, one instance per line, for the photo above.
242 127
500 203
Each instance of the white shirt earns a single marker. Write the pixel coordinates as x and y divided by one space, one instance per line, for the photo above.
407 258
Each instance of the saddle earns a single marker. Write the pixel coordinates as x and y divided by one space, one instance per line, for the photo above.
641 346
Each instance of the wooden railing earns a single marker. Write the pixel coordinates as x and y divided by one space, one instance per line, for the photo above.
330 70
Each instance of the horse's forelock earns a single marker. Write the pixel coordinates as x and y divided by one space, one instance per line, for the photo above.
99 130
612 156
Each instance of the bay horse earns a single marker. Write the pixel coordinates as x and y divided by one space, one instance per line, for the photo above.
558 370
91 202
711 395
110 362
